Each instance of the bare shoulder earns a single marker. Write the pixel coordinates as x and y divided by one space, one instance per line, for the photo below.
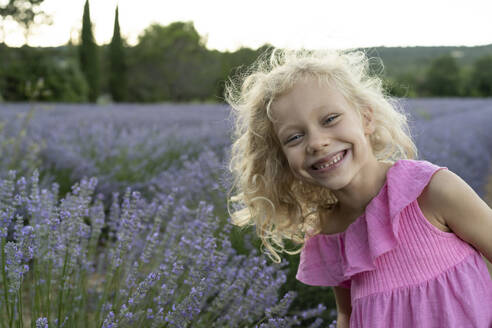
445 191
429 200
453 202
441 193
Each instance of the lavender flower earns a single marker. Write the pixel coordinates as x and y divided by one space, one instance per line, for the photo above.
42 322
110 321
14 266
6 203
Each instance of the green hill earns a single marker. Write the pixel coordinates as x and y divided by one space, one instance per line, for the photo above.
401 60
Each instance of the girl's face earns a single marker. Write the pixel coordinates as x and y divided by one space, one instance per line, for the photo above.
322 136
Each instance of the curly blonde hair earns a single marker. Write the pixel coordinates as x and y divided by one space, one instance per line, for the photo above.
266 193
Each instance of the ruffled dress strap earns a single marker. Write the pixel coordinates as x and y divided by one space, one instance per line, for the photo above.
332 259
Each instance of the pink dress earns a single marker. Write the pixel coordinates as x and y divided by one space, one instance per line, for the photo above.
402 270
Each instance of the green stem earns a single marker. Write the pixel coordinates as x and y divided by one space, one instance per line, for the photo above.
5 283
21 323
60 293
34 311
103 299
36 293
69 300
2 324
48 285
83 301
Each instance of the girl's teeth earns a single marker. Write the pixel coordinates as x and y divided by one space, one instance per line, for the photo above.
335 160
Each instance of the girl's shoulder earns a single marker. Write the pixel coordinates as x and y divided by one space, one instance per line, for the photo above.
459 207
411 180
430 207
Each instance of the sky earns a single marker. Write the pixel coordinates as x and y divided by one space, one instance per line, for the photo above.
231 24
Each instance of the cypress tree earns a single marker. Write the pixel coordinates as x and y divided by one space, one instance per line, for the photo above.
117 78
88 54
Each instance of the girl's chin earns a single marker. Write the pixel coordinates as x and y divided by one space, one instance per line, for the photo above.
332 183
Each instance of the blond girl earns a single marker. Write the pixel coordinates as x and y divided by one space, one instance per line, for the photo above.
321 156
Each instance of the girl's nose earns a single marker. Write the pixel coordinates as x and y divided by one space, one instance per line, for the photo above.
317 143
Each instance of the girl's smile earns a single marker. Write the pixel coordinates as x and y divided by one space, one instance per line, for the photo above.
330 162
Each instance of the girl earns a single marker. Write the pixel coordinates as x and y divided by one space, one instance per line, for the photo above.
322 157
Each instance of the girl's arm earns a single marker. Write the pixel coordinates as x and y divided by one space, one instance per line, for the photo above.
457 204
344 306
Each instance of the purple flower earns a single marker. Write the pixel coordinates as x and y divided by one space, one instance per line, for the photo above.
110 321
14 266
42 322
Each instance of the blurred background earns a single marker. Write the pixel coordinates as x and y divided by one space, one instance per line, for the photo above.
153 51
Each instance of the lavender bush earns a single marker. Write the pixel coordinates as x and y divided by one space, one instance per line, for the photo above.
18 150
159 264
132 145
123 145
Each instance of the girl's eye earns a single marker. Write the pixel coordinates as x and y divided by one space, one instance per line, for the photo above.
330 119
293 138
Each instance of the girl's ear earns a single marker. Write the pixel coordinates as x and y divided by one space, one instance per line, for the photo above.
368 120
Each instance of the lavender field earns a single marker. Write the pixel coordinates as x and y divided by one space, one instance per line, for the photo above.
115 216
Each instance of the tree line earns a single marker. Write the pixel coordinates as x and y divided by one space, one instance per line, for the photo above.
172 64
444 77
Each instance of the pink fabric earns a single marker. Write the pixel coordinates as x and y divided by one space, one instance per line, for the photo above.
402 270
